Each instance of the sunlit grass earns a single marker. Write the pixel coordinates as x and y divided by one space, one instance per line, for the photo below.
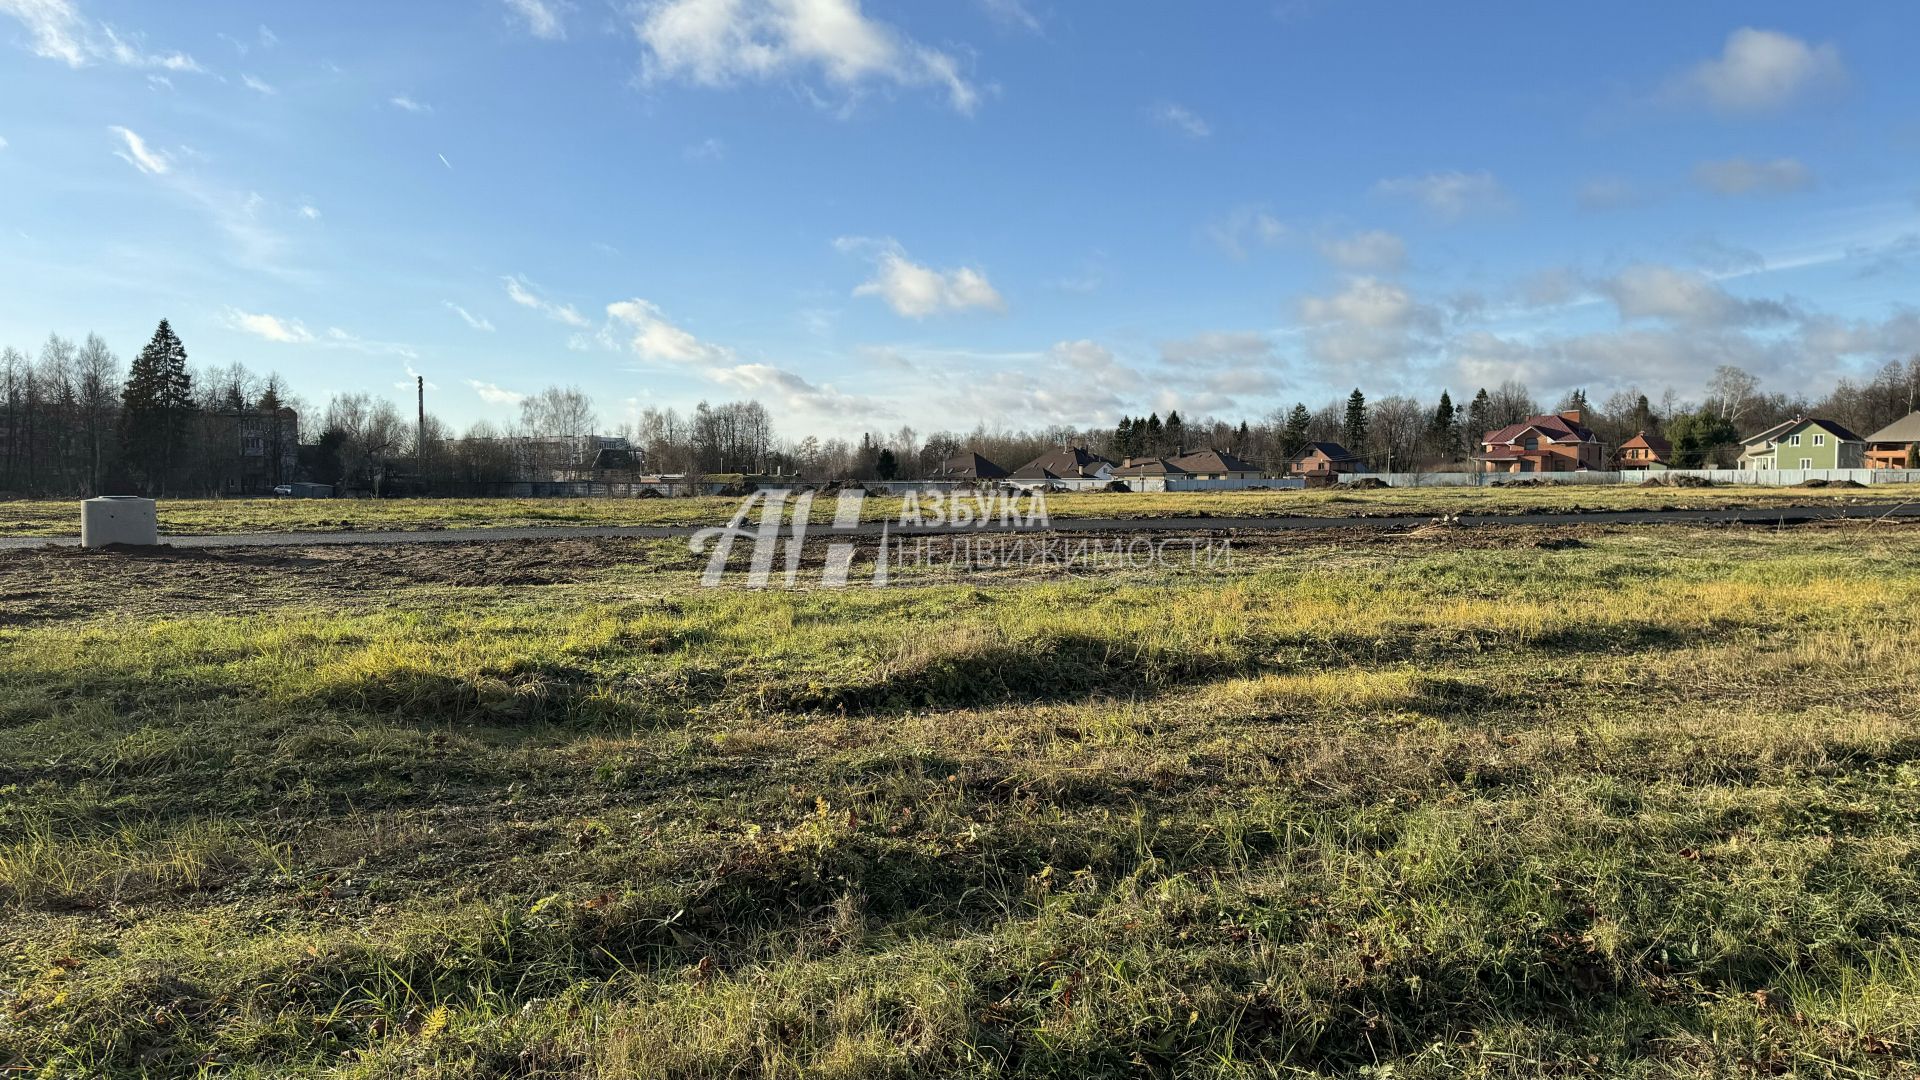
226 516
1645 806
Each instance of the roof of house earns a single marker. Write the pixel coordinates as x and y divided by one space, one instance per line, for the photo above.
1212 461
1554 426
1066 463
971 466
1149 467
1644 441
1904 430
1788 426
1333 450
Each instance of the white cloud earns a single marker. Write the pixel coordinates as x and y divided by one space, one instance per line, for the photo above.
1368 321
1449 195
3 142
475 321
1181 119
1246 227
340 339
722 42
542 18
139 154
707 149
654 338
494 395
402 101
1215 348
1739 176
521 291
56 30
1762 69
1609 193
914 291
270 327
1374 249
310 212
1649 291
257 85
1012 13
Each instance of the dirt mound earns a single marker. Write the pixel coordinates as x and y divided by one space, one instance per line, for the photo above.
1364 483
1816 482
649 493
1678 481
1117 485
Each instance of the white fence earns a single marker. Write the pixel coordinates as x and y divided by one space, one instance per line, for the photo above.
1763 477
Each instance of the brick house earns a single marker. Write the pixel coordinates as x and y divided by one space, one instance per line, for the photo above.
1550 442
1325 461
1645 452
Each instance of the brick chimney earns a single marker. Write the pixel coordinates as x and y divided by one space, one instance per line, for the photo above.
1571 416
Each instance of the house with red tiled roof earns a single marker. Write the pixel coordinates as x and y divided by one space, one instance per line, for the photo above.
1550 442
1644 453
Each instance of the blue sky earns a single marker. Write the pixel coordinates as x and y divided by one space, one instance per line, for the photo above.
869 214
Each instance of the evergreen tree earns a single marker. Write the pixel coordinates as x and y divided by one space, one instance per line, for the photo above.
1479 417
1443 431
155 407
886 466
1242 438
1913 455
1123 437
1150 439
1354 431
1293 439
1174 436
1577 401
1643 418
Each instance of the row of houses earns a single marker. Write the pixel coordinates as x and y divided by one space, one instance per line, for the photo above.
1550 442
1559 442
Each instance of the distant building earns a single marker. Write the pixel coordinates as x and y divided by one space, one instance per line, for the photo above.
1197 465
1644 453
1325 461
1889 447
1214 465
969 466
1066 463
1550 442
1804 443
263 444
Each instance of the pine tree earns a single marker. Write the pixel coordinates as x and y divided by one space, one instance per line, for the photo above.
1151 438
1913 455
1123 437
1479 416
1443 431
155 408
1174 436
1293 440
1354 431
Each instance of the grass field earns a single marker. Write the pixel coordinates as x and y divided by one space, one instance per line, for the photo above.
227 516
1506 802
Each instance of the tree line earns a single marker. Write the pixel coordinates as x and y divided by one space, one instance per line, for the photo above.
74 421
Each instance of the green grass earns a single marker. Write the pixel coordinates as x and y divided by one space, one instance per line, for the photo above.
1449 805
229 516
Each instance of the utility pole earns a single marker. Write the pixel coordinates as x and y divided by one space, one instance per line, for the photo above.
420 430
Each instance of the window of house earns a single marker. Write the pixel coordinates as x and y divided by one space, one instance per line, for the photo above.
1819 440
1794 441
1531 444
1806 463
